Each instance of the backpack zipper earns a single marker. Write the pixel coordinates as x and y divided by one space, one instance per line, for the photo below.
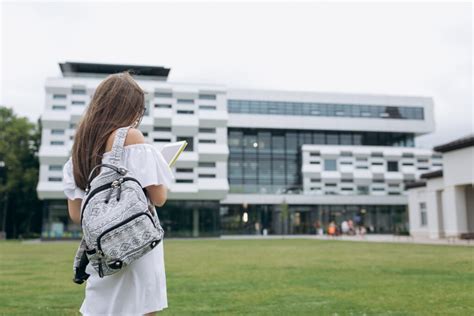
99 246
102 188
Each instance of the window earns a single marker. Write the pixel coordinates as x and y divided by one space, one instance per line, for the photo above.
189 140
346 163
392 166
423 215
145 134
186 101
377 154
78 91
322 109
314 154
207 107
377 163
55 168
59 107
346 139
332 138
57 132
162 106
59 96
184 181
207 96
161 129
161 140
159 94
363 190
314 162
315 180
184 170
56 143
55 179
207 130
347 180
346 154
185 112
332 185
207 164
330 164
207 141
78 102
207 175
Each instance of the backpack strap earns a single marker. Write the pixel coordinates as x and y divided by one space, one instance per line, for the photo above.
117 147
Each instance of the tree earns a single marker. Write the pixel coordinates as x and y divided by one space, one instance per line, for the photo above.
19 169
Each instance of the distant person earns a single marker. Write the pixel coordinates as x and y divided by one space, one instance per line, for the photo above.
118 101
257 228
350 223
332 229
345 227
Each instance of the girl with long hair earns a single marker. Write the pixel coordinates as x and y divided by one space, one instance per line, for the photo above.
118 101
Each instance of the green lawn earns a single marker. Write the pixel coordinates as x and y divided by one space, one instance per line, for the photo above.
262 277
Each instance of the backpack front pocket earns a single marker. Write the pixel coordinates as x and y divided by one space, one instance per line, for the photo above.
128 236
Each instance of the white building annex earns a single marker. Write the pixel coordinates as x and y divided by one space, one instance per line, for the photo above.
442 204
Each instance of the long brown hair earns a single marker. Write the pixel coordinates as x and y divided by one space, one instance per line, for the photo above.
118 101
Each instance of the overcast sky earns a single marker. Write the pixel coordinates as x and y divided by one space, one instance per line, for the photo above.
402 49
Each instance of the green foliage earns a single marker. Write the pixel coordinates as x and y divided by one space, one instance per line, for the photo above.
19 145
261 277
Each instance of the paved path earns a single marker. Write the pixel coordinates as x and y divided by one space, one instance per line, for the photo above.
366 238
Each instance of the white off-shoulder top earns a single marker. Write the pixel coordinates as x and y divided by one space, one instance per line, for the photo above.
141 287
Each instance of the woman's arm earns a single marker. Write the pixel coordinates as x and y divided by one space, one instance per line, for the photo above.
74 208
157 193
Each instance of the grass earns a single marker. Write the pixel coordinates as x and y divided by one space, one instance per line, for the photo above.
262 277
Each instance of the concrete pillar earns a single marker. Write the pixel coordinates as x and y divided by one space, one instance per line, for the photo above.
454 211
434 214
195 222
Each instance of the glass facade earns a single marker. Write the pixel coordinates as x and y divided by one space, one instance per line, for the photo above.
180 218
326 110
269 160
304 219
210 219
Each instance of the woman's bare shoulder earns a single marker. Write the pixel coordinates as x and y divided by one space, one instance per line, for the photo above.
134 136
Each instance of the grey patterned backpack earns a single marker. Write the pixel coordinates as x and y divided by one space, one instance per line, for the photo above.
118 221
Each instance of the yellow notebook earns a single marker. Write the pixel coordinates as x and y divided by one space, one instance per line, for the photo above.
172 151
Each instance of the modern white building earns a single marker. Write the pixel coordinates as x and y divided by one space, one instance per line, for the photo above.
328 157
442 204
